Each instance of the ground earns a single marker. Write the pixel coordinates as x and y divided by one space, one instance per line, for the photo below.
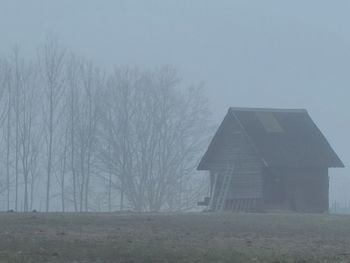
194 237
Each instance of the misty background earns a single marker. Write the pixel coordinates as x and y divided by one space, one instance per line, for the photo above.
248 53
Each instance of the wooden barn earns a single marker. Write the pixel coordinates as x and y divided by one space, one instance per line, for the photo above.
268 159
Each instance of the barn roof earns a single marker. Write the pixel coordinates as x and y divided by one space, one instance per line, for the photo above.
281 137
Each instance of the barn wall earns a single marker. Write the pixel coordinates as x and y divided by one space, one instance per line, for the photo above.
279 185
234 148
247 181
302 190
312 191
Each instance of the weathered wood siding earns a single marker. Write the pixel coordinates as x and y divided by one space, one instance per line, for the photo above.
235 149
232 145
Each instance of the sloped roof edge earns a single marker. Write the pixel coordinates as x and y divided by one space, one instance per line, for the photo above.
293 157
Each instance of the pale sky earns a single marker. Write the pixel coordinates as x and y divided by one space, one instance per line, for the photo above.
289 54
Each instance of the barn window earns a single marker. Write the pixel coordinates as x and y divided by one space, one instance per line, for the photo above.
269 122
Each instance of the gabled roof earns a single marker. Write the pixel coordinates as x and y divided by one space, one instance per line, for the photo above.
282 138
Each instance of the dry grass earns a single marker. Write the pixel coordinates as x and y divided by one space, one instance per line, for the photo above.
174 238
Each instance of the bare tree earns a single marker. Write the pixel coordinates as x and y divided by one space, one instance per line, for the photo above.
72 105
21 87
120 107
133 139
87 129
27 105
156 134
4 84
17 82
83 83
52 62
63 160
5 74
34 162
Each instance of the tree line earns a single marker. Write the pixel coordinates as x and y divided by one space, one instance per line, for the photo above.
77 138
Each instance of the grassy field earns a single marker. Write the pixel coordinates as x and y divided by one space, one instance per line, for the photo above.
200 237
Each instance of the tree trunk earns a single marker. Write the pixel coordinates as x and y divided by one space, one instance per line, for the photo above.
8 149
49 160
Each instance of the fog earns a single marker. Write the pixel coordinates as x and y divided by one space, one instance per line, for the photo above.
174 131
247 53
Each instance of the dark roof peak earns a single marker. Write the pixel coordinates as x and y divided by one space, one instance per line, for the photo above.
268 110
